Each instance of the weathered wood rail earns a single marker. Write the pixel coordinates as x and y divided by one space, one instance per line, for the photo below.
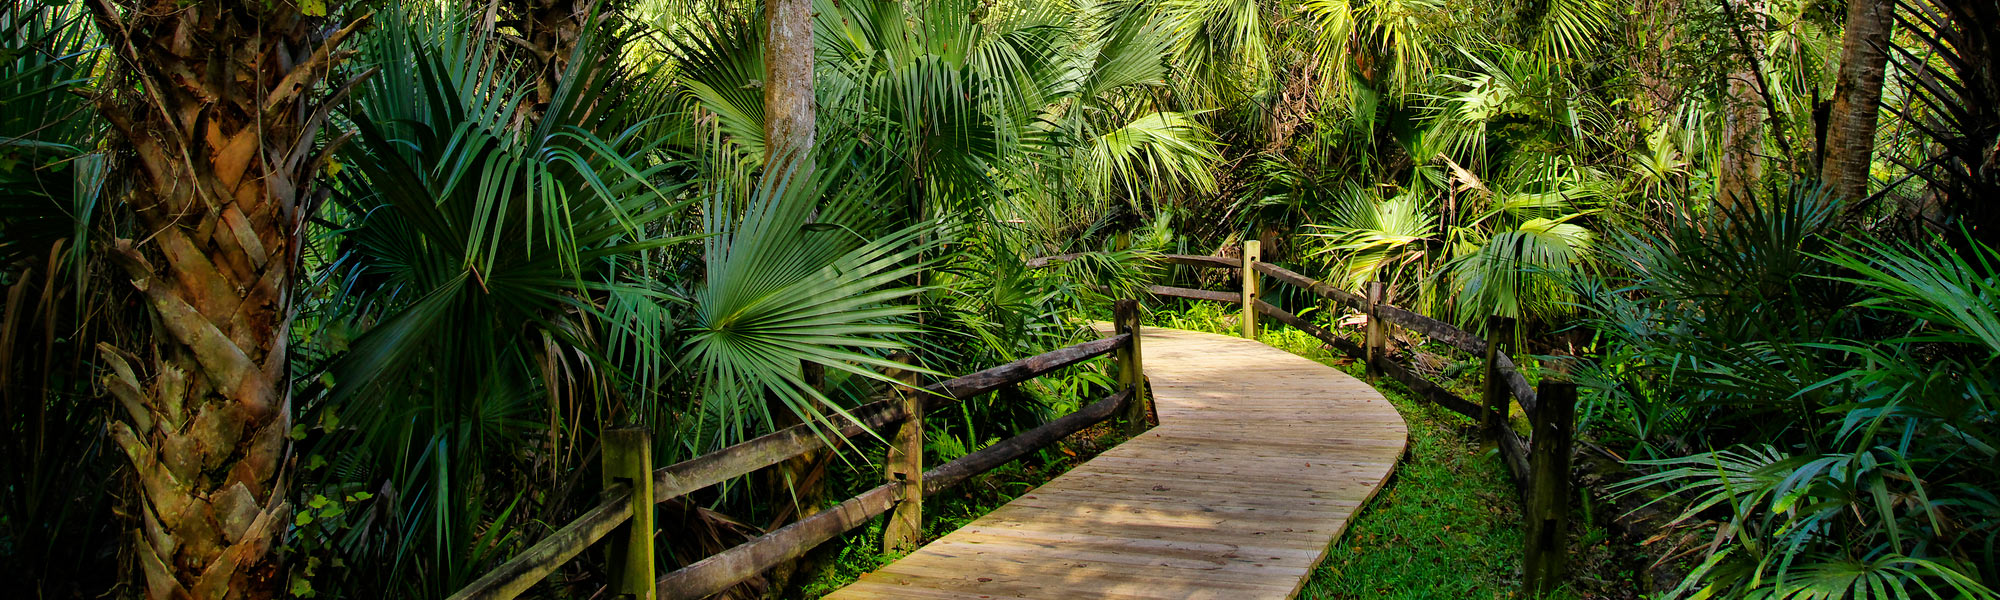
1539 463
624 513
1259 461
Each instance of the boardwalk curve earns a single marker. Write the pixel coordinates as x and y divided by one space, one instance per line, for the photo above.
1260 459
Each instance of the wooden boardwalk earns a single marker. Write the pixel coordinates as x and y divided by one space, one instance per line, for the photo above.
1258 462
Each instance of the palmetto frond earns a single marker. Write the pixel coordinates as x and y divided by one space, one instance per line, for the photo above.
51 178
1523 271
790 281
481 258
1222 47
722 69
1571 29
1159 155
1779 505
1373 239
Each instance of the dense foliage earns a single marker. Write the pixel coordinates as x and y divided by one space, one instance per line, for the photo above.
523 222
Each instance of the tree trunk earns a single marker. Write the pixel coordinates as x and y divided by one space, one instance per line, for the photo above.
1741 163
214 110
788 78
1857 98
1653 34
552 28
550 32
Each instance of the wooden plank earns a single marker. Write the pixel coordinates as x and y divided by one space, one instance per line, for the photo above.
1166 547
1251 293
628 460
1005 451
1187 497
1514 451
1017 584
1199 260
1317 287
526 569
1044 261
1183 501
679 479
1258 462
974 384
1192 260
1424 389
1192 294
1136 561
1547 513
903 461
1511 375
1432 328
1346 346
713 574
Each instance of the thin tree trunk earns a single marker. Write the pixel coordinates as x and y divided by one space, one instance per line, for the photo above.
1741 163
788 78
216 115
1655 34
1857 98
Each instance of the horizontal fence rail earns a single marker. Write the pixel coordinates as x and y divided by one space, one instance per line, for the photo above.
1539 464
1517 385
617 505
717 573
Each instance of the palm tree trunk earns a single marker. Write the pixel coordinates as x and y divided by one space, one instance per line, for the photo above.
1857 98
551 31
788 132
212 104
788 78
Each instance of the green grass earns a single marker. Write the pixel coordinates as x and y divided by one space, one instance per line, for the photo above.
1447 525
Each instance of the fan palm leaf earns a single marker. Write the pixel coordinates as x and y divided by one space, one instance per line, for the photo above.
791 281
1159 155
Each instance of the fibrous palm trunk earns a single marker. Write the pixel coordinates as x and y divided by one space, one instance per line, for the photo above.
1857 98
788 78
213 107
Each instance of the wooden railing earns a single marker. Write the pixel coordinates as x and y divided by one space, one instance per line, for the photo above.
1539 464
624 514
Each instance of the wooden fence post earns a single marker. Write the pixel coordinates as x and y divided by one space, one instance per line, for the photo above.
905 462
628 459
1131 365
1372 332
1494 392
1548 493
1251 254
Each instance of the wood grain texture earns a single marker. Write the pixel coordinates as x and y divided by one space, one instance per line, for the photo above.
1260 459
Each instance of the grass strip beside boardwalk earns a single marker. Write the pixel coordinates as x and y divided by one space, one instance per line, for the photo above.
1447 526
